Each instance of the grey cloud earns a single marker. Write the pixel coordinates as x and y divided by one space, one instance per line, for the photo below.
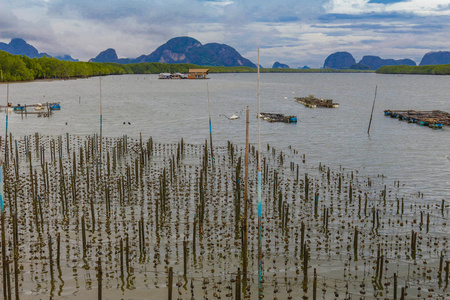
387 1
11 27
187 11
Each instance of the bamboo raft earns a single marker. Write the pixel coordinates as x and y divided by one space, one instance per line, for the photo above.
313 102
433 119
271 117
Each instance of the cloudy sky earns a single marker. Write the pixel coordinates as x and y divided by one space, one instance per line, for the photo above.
295 32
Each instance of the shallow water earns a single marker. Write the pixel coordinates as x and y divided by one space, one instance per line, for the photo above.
168 110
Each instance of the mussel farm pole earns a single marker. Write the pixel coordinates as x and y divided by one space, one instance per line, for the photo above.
373 106
210 129
6 125
101 120
2 215
259 193
244 246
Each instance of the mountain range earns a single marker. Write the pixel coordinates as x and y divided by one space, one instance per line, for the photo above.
189 50
184 50
344 60
19 46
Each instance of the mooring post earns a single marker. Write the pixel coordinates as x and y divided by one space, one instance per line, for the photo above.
170 282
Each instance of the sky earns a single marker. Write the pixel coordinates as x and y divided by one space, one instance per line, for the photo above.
293 32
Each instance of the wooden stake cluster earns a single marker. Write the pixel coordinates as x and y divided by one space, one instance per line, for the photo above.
150 206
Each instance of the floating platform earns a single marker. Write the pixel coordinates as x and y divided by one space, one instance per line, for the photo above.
313 102
271 117
42 110
433 118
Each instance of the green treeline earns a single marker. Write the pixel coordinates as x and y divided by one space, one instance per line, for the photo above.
420 70
156 68
23 68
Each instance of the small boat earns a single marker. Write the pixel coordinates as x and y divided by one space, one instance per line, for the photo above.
39 106
233 117
19 107
9 108
164 76
55 106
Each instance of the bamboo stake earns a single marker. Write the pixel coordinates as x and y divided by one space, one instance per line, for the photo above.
373 106
260 295
245 229
101 122
2 212
100 279
16 256
170 284
210 128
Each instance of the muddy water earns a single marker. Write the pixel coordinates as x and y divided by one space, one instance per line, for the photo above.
342 191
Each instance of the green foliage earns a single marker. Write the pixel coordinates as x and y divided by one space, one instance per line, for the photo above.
156 68
419 70
22 68
13 68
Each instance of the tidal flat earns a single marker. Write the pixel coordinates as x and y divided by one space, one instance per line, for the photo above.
83 219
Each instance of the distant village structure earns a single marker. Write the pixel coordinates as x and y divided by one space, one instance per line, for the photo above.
198 73
193 74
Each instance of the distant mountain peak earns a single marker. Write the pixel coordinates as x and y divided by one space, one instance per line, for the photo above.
109 55
339 60
376 62
17 42
185 49
18 46
278 65
436 58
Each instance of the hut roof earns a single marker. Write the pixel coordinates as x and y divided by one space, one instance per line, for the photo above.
198 70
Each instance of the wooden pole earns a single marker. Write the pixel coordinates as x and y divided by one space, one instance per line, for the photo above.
16 256
50 253
100 279
6 125
315 285
5 294
260 295
373 106
3 238
245 238
170 284
101 121
238 285
185 258
210 128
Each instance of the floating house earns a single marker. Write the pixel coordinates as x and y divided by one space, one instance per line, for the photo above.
198 73
40 109
193 74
